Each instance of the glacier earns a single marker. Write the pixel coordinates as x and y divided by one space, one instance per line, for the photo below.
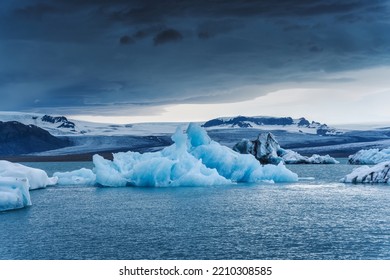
268 151
370 156
192 160
379 173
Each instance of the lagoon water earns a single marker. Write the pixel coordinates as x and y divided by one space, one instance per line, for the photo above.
316 218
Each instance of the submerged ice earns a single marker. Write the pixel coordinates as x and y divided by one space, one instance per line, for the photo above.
193 159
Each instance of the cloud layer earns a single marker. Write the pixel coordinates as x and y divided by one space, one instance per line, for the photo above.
94 55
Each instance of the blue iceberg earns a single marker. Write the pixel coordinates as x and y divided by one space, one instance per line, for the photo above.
14 193
37 178
193 160
81 176
15 182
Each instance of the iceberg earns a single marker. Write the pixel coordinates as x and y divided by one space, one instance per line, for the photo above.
379 173
292 157
81 176
15 182
14 193
370 156
37 178
193 160
268 151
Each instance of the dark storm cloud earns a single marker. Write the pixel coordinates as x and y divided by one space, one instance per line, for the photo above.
147 32
37 11
210 29
71 52
152 11
126 40
315 49
166 36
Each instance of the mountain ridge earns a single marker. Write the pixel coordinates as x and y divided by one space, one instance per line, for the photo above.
266 122
18 138
302 135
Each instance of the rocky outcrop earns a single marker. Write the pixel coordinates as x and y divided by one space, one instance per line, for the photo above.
62 121
278 122
17 139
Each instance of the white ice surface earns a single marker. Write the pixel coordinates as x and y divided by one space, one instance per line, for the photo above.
370 156
81 176
379 173
37 178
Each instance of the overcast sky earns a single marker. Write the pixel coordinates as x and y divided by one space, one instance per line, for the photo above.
144 60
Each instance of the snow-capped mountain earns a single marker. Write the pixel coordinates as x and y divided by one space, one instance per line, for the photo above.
18 138
300 125
304 136
63 126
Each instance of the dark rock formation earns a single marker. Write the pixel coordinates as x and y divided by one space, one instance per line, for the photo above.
268 151
17 139
62 121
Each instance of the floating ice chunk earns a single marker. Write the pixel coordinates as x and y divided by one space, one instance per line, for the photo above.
292 157
370 156
14 193
193 159
15 182
81 176
268 151
326 159
37 178
230 164
107 172
173 166
379 173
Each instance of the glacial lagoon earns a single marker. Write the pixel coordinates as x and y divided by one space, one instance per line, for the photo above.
315 218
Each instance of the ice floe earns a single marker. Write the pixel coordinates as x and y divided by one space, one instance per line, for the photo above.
81 176
268 151
37 178
15 182
379 173
14 193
